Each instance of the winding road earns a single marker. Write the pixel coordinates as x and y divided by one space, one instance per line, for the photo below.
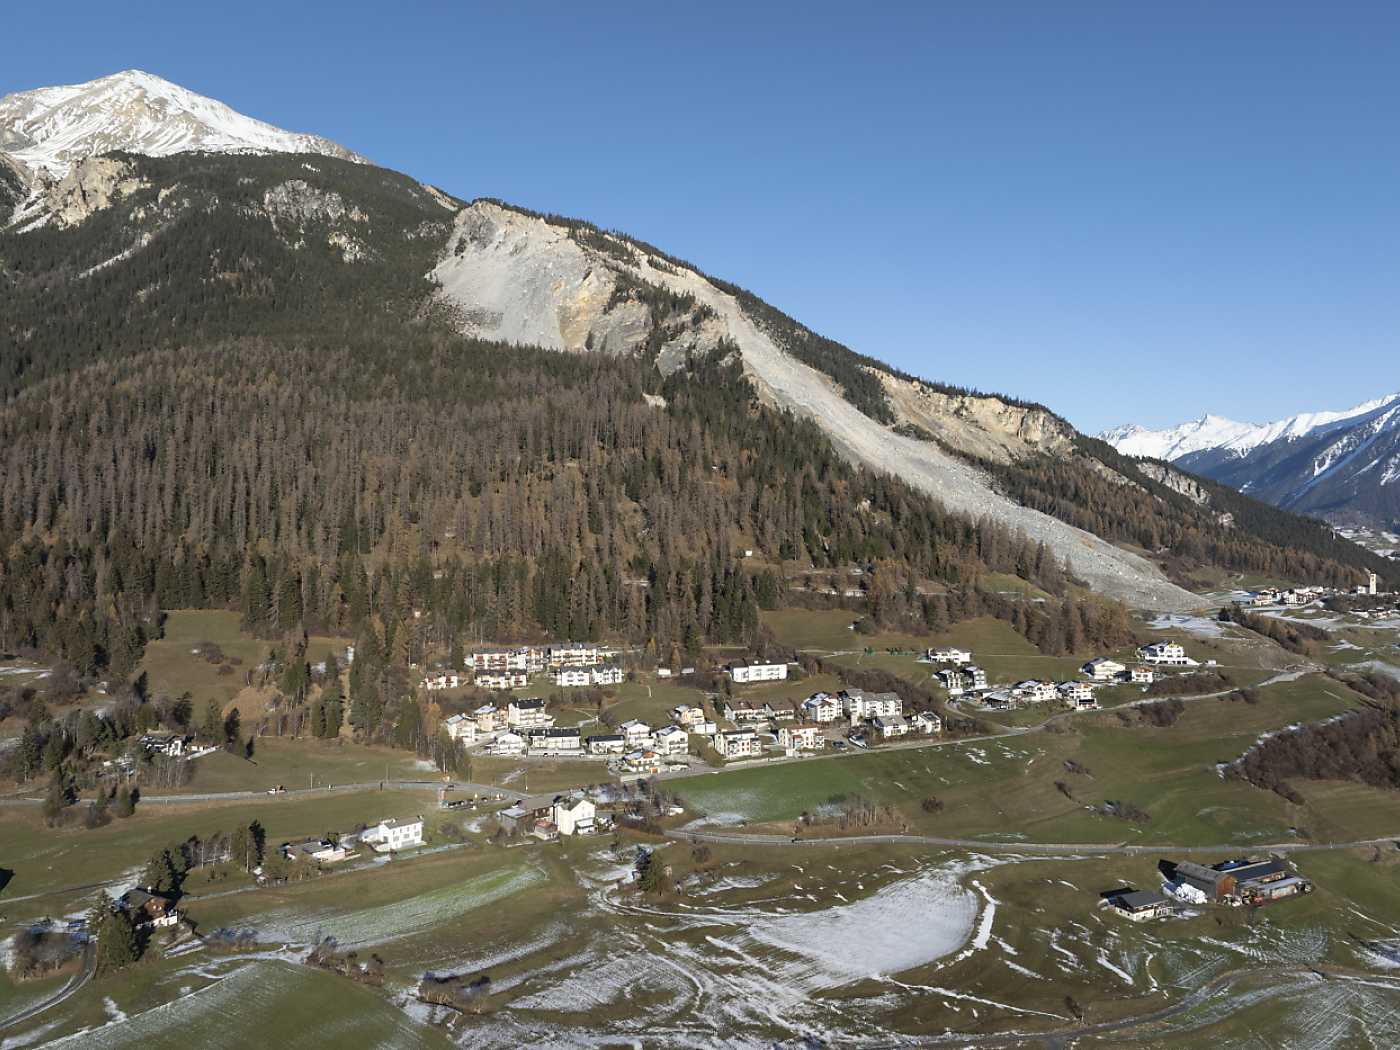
74 983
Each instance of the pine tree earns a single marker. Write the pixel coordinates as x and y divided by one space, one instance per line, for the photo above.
117 943
126 802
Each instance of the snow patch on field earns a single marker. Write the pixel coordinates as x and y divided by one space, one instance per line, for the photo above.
402 919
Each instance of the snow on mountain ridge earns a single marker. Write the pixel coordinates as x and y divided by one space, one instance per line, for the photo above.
1217 432
54 128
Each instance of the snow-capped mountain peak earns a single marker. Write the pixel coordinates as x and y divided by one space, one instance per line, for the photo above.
1207 432
56 127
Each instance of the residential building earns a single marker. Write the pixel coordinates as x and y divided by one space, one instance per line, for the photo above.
976 677
1037 692
1080 694
460 727
1165 653
573 814
1141 905
146 909
637 733
889 726
489 718
757 670
573 675
1142 674
510 743
572 654
781 711
672 740
404 833
551 741
494 659
742 712
927 723
954 681
607 674
822 707
642 761
502 681
1103 669
323 851
804 737
607 744
527 713
737 743
686 716
442 681
164 743
957 657
860 705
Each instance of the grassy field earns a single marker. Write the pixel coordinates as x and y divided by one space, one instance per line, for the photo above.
253 1004
771 793
302 763
48 860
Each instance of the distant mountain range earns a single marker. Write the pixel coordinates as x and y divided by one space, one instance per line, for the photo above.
1341 466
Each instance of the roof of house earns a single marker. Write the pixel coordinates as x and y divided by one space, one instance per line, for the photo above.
560 731
527 705
402 822
608 738
1259 870
1141 899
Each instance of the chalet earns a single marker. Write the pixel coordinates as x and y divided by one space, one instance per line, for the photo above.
737 744
502 681
976 677
1141 905
1103 669
672 740
146 909
573 814
859 705
510 743
1267 596
637 732
404 833
757 670
956 657
607 744
551 741
890 725
822 708
1142 674
573 675
1167 654
489 718
927 723
803 737
1002 699
323 851
643 761
741 712
781 711
607 674
460 727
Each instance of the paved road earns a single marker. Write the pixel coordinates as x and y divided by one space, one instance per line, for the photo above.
75 982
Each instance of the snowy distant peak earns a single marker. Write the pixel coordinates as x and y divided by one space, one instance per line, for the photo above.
56 127
1169 444
1217 432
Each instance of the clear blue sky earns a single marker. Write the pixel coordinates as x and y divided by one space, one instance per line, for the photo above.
1129 212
